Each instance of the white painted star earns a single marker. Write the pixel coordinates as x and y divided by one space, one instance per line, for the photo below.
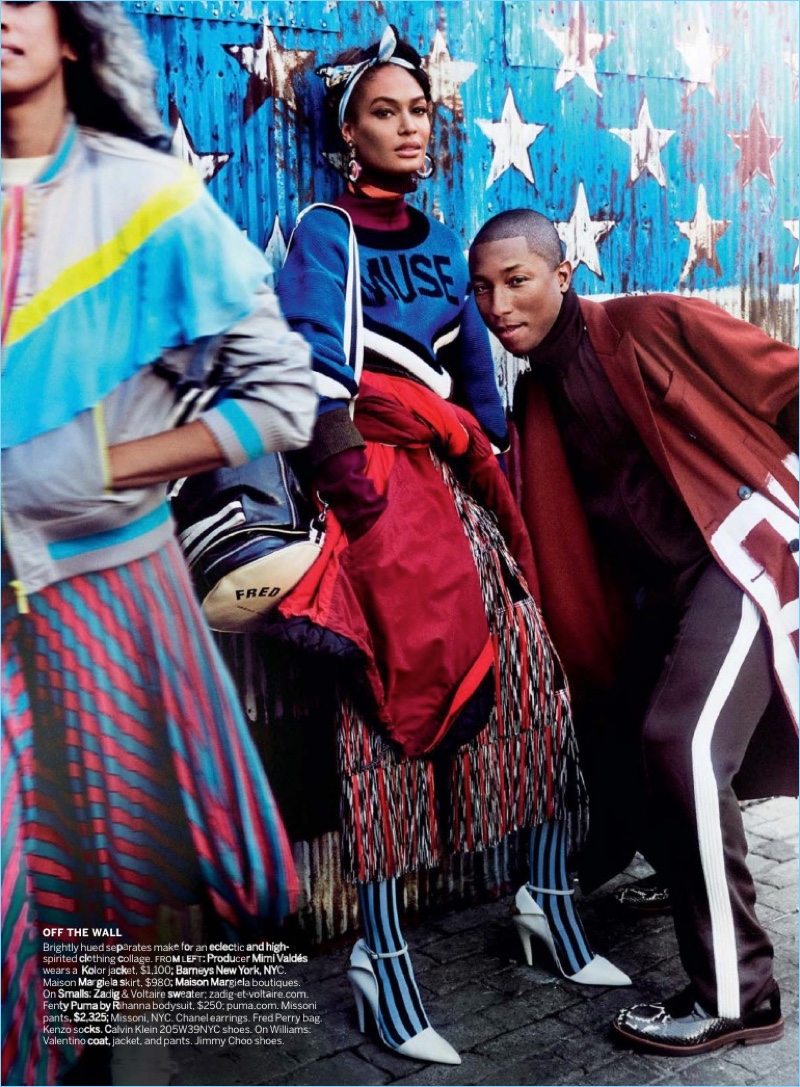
511 137
793 226
207 163
578 46
271 68
275 251
701 55
580 235
792 58
447 75
645 142
703 233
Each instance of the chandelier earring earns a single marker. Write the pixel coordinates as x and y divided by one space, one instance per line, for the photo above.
354 167
426 170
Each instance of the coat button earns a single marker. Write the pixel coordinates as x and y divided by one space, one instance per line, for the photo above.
794 546
745 492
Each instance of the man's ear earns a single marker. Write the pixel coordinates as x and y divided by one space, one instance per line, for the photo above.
564 275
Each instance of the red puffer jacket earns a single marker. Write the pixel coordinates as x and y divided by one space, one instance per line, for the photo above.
404 600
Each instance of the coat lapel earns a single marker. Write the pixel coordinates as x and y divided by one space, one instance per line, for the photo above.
617 356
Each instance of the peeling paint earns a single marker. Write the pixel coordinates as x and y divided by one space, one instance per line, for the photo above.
710 210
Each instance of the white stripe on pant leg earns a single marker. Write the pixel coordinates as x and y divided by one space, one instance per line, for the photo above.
709 829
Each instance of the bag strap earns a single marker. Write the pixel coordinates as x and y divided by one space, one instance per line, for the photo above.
353 338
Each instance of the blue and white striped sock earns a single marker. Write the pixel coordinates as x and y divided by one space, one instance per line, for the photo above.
548 870
401 1013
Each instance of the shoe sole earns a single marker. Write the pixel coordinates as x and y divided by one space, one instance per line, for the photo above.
746 1036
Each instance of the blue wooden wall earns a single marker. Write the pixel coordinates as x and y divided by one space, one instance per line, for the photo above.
662 137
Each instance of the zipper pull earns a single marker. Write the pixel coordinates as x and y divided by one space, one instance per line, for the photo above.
22 599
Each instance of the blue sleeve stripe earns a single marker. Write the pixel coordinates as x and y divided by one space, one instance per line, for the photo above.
242 426
67 549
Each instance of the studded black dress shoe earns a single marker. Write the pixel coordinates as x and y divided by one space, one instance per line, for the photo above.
680 1026
648 895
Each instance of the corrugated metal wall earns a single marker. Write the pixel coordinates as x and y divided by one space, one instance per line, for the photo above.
661 136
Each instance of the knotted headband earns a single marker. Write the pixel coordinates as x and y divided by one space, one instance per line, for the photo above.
349 74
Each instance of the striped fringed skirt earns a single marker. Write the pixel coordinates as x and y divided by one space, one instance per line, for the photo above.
401 814
130 780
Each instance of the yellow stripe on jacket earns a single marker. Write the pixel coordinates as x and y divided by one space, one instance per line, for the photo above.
111 255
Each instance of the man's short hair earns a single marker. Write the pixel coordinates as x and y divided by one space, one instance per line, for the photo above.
539 232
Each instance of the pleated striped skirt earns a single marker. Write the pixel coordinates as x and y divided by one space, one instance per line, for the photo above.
130 781
401 814
522 769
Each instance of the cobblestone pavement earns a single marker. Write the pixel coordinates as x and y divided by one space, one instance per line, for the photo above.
517 1025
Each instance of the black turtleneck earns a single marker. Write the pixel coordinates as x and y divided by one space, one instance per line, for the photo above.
636 517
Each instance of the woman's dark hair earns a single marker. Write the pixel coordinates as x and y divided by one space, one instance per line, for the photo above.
111 83
356 55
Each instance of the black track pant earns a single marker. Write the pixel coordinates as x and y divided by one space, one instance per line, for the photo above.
713 690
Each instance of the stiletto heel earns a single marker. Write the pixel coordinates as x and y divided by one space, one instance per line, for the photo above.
425 1046
524 931
358 997
530 920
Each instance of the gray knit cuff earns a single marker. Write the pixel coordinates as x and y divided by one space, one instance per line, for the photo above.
334 432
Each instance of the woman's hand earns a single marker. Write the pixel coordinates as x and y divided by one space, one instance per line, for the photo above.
162 457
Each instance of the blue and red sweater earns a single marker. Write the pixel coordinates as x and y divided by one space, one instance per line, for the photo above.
420 319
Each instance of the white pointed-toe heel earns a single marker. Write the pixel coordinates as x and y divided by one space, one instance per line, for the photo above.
530 920
425 1046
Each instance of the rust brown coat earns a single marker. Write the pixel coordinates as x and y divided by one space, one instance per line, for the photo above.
715 402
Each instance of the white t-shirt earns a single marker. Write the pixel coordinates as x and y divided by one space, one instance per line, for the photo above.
22 171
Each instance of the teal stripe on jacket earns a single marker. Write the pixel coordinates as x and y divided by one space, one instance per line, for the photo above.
169 292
